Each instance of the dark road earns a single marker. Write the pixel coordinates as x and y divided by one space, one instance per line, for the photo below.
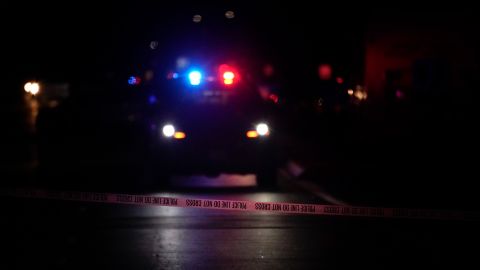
47 234
70 235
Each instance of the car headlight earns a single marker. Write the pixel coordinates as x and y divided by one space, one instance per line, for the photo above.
262 129
168 130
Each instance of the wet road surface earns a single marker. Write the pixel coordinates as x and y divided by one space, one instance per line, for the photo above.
72 235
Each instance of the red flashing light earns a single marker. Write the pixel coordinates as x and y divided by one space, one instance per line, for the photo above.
228 74
228 77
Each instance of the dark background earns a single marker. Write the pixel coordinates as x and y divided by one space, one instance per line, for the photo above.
86 42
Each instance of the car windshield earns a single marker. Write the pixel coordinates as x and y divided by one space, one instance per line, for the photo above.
238 134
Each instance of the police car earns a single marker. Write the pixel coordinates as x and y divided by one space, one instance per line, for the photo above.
208 118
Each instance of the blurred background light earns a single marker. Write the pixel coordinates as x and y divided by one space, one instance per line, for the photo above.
153 44
133 80
182 62
32 88
229 14
197 18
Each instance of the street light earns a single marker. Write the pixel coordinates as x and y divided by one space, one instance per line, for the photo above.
32 88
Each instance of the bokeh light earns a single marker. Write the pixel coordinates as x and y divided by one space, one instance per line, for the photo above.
197 18
230 14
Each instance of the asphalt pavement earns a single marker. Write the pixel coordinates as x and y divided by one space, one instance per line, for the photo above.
40 234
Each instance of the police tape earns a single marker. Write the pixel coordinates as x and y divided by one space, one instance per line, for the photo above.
244 206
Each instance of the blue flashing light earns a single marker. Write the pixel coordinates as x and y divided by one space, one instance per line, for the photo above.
175 75
195 77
